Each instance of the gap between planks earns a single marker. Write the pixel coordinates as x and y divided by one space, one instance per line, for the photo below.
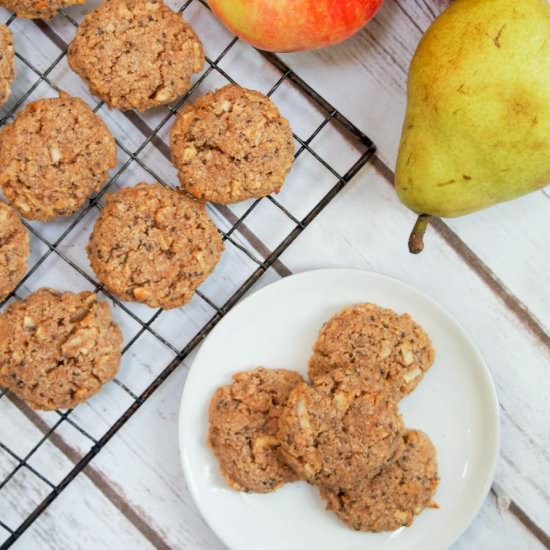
95 476
105 487
163 149
520 311
476 264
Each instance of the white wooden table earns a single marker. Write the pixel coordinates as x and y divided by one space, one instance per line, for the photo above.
491 270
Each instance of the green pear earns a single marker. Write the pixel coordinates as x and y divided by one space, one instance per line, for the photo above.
477 128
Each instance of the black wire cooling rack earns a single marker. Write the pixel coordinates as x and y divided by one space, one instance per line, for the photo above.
237 233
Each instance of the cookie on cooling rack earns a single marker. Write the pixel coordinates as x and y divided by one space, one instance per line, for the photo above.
14 249
243 420
136 54
342 431
58 349
37 9
153 245
377 340
7 65
396 495
53 156
231 145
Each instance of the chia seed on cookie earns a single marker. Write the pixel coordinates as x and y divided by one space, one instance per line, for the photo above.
378 340
58 349
37 9
231 145
392 499
340 432
54 155
243 420
14 250
7 64
135 54
153 245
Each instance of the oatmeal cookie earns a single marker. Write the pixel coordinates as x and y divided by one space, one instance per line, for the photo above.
136 54
231 145
340 432
14 250
378 340
53 156
153 245
37 9
396 495
7 64
58 349
243 425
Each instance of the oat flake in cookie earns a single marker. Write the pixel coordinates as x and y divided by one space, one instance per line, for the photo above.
7 65
135 54
231 145
54 155
58 349
153 245
392 499
341 432
378 340
37 9
14 249
243 426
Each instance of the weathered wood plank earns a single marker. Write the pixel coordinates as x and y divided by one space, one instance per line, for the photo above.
509 238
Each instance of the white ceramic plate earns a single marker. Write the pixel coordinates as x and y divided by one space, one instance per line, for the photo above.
455 405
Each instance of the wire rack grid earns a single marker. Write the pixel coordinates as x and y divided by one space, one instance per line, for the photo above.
42 453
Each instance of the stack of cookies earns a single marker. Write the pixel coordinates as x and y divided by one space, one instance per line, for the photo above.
342 432
151 243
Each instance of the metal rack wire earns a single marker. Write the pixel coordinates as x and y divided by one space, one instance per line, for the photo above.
236 234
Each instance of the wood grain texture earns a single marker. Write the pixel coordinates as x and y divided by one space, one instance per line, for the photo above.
506 237
135 485
504 342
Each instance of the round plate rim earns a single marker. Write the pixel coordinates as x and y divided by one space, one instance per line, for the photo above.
484 371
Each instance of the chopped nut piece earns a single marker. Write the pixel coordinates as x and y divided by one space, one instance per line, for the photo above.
28 322
55 154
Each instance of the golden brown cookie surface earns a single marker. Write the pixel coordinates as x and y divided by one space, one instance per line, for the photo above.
340 432
37 9
243 426
58 349
14 249
53 156
378 340
153 245
231 145
135 54
396 495
7 64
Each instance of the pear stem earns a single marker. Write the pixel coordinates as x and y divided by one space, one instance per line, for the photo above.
416 240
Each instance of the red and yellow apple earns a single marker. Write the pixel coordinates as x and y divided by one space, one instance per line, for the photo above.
294 25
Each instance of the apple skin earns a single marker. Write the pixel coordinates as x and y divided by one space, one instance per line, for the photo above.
294 25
